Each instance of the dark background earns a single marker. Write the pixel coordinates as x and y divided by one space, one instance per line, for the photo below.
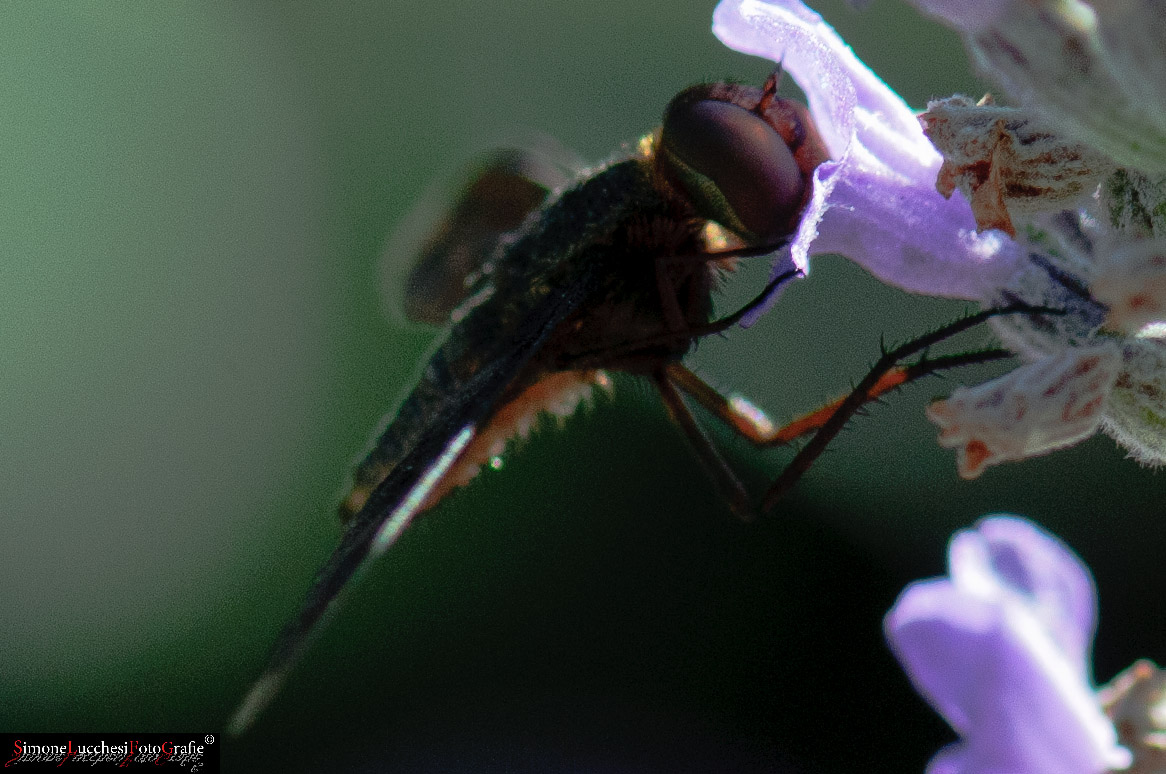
195 199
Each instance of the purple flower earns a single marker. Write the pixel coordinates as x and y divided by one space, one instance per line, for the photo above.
1000 648
875 202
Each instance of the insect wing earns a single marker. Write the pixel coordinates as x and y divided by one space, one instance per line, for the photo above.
436 259
397 499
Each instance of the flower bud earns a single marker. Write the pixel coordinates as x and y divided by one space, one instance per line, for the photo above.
1008 164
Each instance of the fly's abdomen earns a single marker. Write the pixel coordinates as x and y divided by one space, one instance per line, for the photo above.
557 395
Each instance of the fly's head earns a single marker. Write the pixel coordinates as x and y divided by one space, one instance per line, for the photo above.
741 157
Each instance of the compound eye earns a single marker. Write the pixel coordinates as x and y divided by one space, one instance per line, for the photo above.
734 167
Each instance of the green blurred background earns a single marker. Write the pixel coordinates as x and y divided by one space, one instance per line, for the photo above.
193 206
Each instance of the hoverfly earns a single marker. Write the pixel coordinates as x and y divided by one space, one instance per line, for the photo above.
546 291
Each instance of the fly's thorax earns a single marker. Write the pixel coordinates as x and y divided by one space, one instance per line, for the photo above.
657 273
740 156
644 248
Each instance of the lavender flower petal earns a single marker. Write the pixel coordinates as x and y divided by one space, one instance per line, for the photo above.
999 649
911 237
1011 556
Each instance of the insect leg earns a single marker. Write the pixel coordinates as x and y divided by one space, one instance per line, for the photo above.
736 412
673 316
750 422
723 324
722 475
887 375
